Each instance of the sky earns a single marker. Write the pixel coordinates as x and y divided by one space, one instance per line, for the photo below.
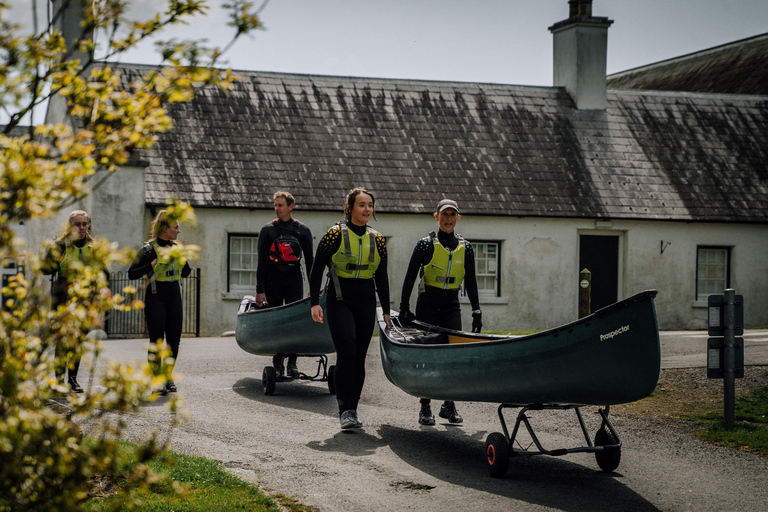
486 41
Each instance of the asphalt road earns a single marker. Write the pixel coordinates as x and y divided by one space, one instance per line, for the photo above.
291 443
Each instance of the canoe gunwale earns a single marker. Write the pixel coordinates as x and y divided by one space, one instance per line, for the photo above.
500 338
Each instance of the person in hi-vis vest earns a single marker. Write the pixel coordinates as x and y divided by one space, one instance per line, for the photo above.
63 259
356 257
164 267
446 260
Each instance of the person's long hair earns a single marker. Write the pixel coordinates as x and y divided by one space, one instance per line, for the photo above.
161 222
76 213
350 202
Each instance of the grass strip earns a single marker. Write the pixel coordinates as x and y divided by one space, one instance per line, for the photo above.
192 484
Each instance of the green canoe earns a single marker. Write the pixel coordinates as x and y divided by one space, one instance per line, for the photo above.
609 357
287 329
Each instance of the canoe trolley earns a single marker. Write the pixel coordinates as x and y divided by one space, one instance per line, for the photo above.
324 373
283 330
499 448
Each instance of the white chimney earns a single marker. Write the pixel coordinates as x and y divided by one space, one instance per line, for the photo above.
580 53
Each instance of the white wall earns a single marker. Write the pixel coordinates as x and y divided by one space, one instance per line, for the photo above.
539 264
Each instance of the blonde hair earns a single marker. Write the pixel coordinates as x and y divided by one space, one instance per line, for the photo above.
70 220
160 222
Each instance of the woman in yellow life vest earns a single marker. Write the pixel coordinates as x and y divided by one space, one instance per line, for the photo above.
163 310
357 258
446 260
67 254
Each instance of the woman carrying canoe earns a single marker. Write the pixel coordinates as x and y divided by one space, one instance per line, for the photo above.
357 258
446 260
163 310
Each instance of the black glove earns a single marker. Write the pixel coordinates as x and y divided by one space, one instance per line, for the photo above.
477 321
405 314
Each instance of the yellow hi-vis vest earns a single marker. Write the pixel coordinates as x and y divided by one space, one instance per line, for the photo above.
446 268
357 257
167 268
73 253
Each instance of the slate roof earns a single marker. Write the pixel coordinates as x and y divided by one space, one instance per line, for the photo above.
740 67
498 149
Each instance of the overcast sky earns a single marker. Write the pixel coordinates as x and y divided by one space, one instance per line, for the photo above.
497 41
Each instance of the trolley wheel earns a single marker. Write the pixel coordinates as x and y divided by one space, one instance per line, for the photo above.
497 454
608 460
268 378
332 379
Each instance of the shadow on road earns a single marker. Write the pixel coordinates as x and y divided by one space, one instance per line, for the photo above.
353 442
298 394
546 481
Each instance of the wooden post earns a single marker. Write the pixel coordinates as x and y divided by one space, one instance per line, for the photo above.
585 293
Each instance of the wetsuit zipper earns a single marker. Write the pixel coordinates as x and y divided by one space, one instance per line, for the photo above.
450 263
359 256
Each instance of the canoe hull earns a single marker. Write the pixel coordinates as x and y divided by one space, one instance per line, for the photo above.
287 329
610 357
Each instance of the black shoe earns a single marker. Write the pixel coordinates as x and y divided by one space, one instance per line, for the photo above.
425 415
170 387
277 362
73 385
449 412
292 369
162 391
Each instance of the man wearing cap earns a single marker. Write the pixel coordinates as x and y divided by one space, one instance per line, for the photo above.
445 260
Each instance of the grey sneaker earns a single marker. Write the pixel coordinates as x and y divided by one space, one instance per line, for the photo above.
292 369
425 415
449 412
277 362
348 419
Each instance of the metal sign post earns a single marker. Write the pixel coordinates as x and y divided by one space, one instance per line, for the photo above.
725 354
729 357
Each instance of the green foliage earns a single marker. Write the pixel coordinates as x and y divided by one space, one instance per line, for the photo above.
45 464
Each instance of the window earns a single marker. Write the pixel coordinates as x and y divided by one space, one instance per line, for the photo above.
242 263
487 268
712 271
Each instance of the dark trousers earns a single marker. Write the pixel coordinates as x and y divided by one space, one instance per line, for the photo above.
66 360
351 322
164 313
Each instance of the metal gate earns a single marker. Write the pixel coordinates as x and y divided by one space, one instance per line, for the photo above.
131 324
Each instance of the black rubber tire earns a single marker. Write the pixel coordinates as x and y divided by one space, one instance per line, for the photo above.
497 454
268 378
332 379
608 460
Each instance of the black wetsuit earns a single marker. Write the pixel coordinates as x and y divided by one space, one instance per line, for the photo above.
436 306
351 320
282 283
163 309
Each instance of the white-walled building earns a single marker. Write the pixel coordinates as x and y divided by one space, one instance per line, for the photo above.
649 190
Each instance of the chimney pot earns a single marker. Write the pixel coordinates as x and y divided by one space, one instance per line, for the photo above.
579 8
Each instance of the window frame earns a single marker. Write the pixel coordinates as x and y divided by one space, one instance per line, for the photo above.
485 292
255 254
702 296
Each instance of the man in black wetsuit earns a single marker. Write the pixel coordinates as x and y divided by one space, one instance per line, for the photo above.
446 260
278 275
